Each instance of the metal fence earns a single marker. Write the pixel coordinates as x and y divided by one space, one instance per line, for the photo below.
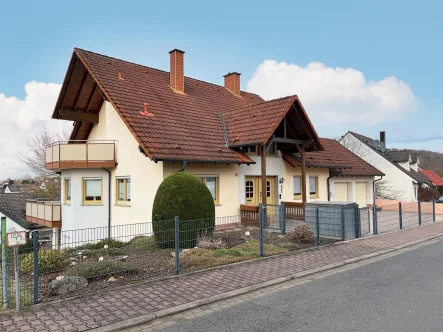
66 263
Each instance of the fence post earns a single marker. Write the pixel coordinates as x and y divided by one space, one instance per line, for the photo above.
419 213
343 233
400 215
281 217
4 265
433 211
261 221
317 225
35 247
357 222
177 244
374 219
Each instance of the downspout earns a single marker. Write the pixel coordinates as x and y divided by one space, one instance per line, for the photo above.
373 189
109 201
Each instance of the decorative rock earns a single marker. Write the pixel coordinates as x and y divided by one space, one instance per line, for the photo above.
100 259
67 285
173 254
60 278
84 257
247 233
112 279
121 258
73 264
72 259
105 246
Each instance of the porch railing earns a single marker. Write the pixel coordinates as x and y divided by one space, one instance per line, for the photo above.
294 210
249 214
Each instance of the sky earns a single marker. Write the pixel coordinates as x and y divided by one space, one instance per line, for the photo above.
364 66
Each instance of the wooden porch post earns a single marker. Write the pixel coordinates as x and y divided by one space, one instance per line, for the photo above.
263 174
303 174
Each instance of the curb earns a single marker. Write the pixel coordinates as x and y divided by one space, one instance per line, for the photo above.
191 305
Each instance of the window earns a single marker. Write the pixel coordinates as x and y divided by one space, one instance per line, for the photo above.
211 182
67 191
123 190
92 191
313 186
297 187
249 189
249 149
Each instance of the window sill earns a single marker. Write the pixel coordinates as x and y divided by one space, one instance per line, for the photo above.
217 204
123 205
314 196
67 204
92 204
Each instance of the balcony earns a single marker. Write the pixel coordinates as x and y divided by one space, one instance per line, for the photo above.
80 154
44 212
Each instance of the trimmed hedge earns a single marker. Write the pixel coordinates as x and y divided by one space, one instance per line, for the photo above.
186 196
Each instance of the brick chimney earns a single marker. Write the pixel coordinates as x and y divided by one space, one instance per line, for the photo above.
383 137
232 83
176 73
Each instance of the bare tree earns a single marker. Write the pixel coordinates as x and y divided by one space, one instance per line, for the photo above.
383 190
35 156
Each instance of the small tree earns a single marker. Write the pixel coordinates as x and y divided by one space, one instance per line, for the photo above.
383 190
186 196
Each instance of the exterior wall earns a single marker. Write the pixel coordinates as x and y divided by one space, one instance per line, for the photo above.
394 177
288 186
351 181
227 182
274 168
405 165
76 215
145 174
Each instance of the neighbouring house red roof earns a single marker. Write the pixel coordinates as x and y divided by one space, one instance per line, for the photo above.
178 126
335 156
436 180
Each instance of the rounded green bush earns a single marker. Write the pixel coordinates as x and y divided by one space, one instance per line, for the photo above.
48 261
186 196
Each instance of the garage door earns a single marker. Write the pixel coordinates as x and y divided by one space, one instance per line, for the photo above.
341 191
361 194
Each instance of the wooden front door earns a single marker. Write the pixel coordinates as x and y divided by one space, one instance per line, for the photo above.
253 190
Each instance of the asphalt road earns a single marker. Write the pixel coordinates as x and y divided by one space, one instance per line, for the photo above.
400 293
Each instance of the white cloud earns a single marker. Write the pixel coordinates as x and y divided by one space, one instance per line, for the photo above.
21 119
335 95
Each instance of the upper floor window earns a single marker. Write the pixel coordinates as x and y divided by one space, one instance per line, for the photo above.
249 149
92 191
123 190
211 182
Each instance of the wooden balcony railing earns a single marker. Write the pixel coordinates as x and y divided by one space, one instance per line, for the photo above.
249 214
81 154
44 212
294 210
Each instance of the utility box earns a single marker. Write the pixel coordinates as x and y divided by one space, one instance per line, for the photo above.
335 220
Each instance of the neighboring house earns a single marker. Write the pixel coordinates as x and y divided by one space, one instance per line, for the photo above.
16 188
348 177
436 181
13 206
402 178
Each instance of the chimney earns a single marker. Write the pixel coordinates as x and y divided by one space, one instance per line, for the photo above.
232 83
383 137
176 73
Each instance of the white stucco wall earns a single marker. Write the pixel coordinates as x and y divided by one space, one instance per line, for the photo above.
145 174
394 177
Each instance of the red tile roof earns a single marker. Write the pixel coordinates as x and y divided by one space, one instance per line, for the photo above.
177 126
436 180
335 156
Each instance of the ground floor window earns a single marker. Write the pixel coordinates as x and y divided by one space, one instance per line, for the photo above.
67 191
92 191
212 183
123 190
297 187
313 186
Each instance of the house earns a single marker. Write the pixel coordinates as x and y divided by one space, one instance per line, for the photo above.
16 188
402 178
344 177
135 125
436 181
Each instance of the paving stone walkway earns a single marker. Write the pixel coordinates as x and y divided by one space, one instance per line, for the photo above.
120 304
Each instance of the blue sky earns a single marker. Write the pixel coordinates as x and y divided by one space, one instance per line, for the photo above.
378 39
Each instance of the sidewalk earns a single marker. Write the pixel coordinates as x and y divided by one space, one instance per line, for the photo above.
135 304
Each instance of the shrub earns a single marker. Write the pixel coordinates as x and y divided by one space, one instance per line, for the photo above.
186 196
144 243
301 234
48 261
204 241
103 269
104 252
111 243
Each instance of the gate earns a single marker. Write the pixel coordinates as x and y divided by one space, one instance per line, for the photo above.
273 216
365 221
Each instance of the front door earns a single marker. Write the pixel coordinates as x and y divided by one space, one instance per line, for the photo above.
253 190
